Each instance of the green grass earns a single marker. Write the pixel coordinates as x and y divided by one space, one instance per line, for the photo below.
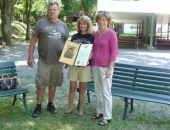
127 35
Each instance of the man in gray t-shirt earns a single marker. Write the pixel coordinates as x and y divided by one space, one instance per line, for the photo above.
51 34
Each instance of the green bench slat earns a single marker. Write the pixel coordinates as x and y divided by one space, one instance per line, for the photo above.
123 78
7 63
128 66
90 87
9 74
155 77
5 71
148 90
151 73
151 86
152 82
13 92
138 85
124 70
2 66
142 83
125 74
163 99
127 80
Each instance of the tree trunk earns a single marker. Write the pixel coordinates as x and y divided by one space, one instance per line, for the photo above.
12 10
1 3
6 20
85 8
28 14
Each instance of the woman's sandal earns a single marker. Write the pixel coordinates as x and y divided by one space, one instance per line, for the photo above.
68 112
97 116
104 122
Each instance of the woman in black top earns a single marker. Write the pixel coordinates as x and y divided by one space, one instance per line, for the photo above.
76 73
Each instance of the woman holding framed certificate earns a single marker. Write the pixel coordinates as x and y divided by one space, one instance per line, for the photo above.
105 51
81 74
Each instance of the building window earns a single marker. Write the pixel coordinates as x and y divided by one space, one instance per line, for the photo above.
133 27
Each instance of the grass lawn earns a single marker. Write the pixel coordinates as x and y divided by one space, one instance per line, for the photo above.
127 35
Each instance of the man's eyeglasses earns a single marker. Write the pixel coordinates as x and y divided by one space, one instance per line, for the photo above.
103 12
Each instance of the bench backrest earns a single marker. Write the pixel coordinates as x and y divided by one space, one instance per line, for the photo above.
8 67
129 39
139 78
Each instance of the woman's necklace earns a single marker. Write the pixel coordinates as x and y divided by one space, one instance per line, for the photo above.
101 32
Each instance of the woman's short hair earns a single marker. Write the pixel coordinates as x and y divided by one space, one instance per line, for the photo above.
87 20
107 16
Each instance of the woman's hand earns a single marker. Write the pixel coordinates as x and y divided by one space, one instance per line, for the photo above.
108 73
86 65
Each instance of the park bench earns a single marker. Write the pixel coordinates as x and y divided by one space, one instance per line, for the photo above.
130 41
161 42
134 82
9 68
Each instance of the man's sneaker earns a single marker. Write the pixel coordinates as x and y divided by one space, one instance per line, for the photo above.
36 112
51 108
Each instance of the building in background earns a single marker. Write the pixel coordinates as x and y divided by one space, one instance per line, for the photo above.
147 18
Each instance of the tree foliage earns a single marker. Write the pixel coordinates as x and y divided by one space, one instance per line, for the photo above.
89 6
29 11
78 8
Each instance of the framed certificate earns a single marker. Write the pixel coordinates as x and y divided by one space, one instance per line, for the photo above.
76 54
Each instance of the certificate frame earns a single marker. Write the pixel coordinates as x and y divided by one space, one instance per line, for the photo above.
76 54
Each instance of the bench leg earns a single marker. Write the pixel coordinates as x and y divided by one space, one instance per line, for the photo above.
78 105
155 45
136 45
88 96
126 107
15 98
25 104
23 101
131 104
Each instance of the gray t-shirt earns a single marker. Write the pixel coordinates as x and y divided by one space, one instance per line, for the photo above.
51 39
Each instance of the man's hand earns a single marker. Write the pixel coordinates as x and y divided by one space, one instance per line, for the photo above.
30 62
66 66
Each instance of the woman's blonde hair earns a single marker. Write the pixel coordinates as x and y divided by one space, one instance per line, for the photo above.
107 16
87 20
